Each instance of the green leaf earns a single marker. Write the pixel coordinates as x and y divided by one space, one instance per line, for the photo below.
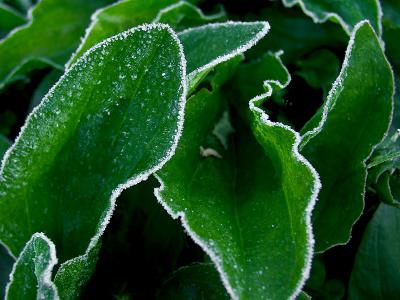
387 186
376 271
295 34
197 281
182 15
9 19
384 167
247 206
31 274
207 46
317 276
22 5
204 46
391 12
341 137
50 37
83 145
347 13
116 18
303 296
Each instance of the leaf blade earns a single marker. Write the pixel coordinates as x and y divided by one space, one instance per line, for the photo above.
376 269
330 144
76 117
346 13
225 197
24 45
31 274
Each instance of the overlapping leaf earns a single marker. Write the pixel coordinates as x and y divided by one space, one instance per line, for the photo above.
21 5
31 274
384 170
182 15
112 119
376 272
50 37
116 18
204 46
296 34
348 13
9 19
342 135
248 206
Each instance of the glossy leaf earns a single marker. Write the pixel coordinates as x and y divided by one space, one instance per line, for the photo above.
9 19
204 46
197 281
207 46
347 13
116 18
343 134
50 37
303 296
31 274
384 165
73 158
247 206
22 5
376 271
182 15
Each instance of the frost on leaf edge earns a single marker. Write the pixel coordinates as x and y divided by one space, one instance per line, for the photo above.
327 15
241 49
295 150
138 178
46 275
30 19
183 3
336 86
254 107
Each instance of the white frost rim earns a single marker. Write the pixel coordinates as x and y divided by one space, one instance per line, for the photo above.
183 3
93 21
242 48
140 177
317 186
182 216
268 84
336 86
144 175
327 15
46 275
29 19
